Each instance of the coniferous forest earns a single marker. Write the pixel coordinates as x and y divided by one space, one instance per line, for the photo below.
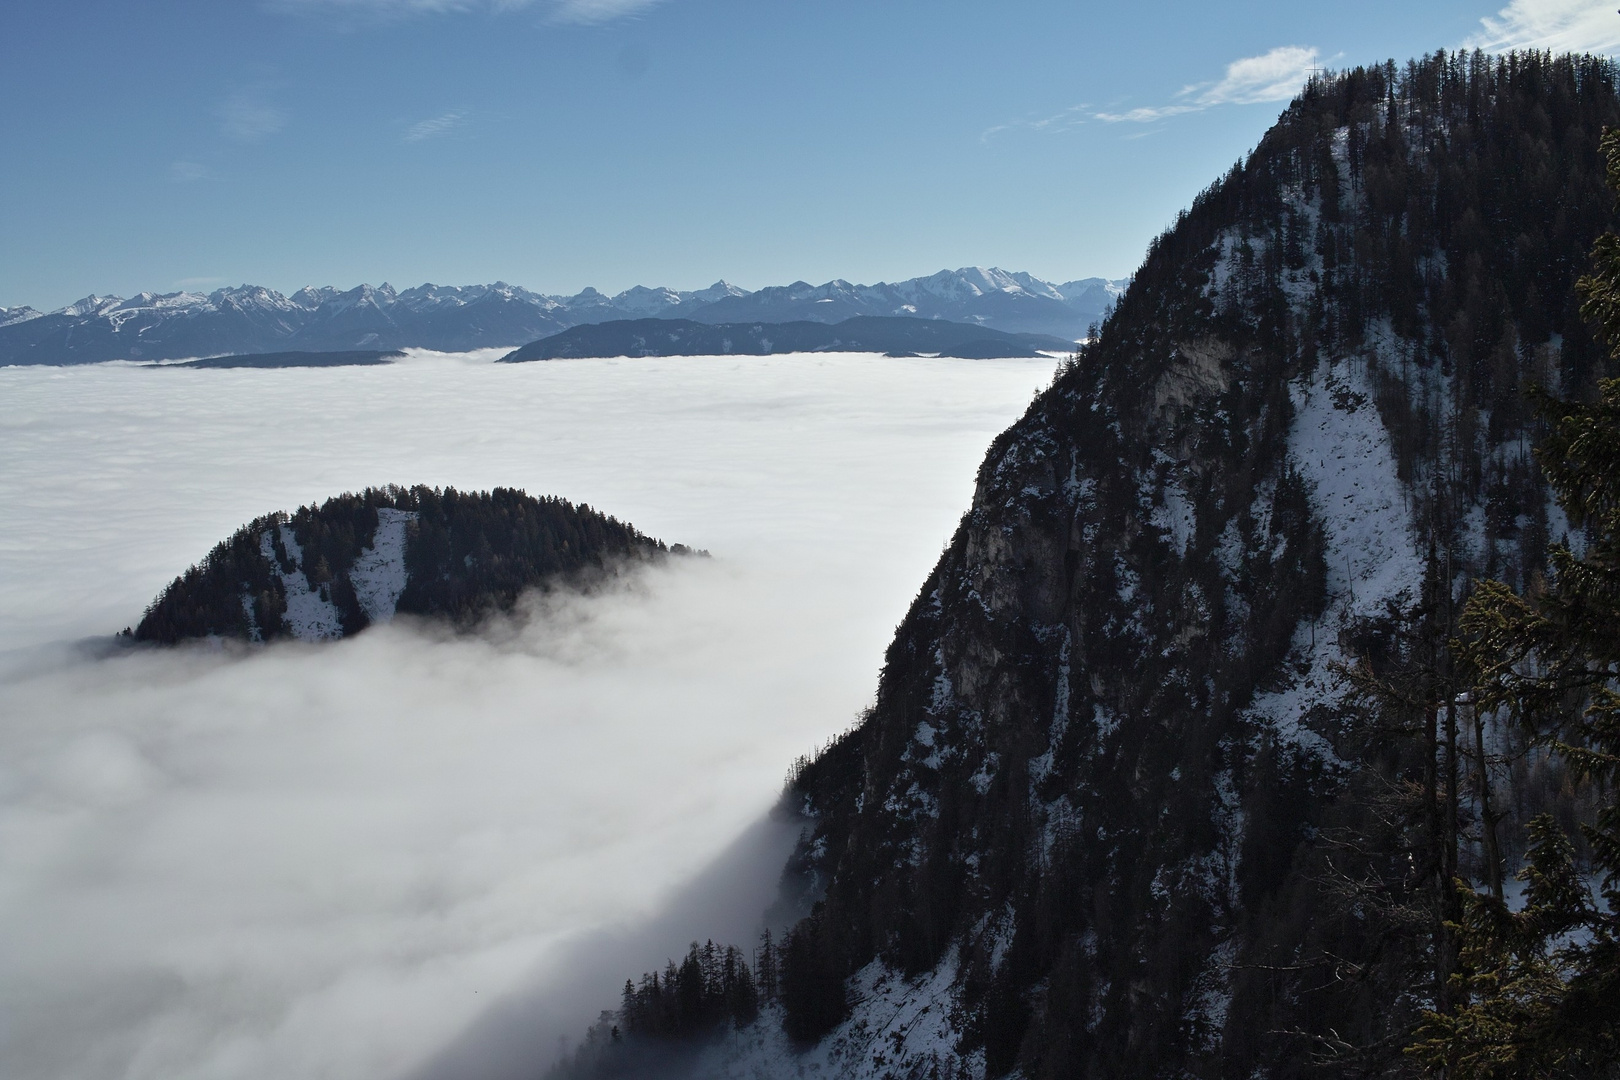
464 556
1166 782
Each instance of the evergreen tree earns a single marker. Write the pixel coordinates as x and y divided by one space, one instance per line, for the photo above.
1538 990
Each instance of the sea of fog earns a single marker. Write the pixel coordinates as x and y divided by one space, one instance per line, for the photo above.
405 855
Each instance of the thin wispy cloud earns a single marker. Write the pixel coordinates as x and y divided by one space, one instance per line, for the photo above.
1070 117
597 11
1254 80
435 126
1558 25
247 117
189 172
561 11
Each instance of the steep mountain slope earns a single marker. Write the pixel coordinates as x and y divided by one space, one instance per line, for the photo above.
862 333
1118 810
329 571
251 319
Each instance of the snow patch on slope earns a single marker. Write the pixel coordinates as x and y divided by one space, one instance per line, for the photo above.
378 575
1339 445
898 1028
310 615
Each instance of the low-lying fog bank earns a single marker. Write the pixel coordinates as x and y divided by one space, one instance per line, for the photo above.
331 861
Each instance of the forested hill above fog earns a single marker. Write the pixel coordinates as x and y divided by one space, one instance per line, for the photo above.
253 319
861 334
330 571
1119 809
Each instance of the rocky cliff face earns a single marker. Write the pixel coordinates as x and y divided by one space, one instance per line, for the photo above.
1117 810
329 571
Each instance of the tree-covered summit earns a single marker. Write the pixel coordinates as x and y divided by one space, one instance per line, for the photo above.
331 570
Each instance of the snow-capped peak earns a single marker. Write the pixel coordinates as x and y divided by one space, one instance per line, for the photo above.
90 305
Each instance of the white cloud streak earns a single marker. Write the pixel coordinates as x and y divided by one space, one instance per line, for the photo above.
433 127
326 861
1254 80
1558 25
561 11
1073 116
1274 76
590 12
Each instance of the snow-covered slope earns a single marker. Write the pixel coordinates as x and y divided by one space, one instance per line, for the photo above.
378 575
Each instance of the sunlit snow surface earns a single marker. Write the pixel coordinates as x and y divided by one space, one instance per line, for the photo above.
326 860
1339 445
310 614
378 575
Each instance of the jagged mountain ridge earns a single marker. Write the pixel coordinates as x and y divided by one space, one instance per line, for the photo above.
329 571
251 319
1116 811
1012 302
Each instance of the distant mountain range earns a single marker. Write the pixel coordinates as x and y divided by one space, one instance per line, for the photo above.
254 319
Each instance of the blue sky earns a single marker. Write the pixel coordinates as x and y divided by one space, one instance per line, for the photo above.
564 143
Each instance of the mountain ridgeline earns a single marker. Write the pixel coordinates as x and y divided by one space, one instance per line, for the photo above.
329 571
451 318
1168 774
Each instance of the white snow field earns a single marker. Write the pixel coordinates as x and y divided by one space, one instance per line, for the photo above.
328 860
378 575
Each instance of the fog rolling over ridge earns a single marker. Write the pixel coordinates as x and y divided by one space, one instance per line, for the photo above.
334 860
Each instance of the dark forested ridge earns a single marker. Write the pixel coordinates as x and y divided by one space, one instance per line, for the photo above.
328 571
1173 764
893 336
348 358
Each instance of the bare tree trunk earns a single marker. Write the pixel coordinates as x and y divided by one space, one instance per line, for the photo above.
1487 817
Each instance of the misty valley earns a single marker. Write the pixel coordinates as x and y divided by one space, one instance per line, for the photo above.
1211 673
337 856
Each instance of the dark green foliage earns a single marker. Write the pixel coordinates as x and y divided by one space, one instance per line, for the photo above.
891 335
473 552
713 986
1536 992
207 598
350 358
811 981
467 554
666 1016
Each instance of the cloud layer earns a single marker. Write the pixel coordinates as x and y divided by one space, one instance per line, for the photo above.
327 861
1558 25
